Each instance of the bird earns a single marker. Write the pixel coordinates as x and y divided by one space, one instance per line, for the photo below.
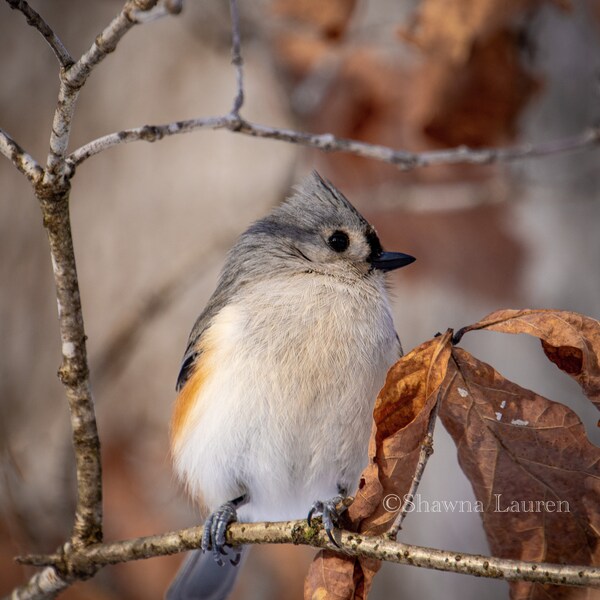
276 388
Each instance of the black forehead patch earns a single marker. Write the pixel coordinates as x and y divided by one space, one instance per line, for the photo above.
374 244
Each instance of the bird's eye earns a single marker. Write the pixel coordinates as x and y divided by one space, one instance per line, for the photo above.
338 241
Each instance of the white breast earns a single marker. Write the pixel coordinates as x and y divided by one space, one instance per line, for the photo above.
285 413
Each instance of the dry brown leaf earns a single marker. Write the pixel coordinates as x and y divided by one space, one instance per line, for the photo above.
335 577
401 417
449 28
469 88
479 102
570 340
518 447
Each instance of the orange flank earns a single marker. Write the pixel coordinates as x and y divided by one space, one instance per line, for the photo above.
187 397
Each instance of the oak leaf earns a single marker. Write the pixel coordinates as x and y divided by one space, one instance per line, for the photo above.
570 340
531 465
449 28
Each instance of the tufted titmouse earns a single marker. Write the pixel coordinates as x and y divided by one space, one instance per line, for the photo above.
278 380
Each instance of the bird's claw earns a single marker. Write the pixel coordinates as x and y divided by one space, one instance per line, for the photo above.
214 536
330 514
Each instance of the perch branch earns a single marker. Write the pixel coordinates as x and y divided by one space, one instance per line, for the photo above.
80 560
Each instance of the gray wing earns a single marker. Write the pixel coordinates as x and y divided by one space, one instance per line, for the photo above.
192 353
201 578
228 285
247 261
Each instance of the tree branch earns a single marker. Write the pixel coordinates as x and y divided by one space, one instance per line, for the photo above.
77 563
35 20
107 41
329 143
17 155
73 372
236 58
75 77
146 133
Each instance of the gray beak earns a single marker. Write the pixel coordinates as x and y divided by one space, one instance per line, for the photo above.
388 261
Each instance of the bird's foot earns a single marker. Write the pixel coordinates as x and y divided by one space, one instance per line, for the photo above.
214 536
330 511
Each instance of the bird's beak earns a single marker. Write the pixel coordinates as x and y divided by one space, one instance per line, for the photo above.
388 261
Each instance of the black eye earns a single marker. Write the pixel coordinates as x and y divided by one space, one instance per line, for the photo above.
338 241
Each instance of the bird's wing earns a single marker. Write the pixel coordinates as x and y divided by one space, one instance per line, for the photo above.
193 351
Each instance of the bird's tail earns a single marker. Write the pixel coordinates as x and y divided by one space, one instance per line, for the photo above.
201 578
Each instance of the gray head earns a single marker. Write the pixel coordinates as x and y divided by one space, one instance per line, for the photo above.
315 230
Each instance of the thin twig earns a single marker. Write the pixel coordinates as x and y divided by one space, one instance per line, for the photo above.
351 544
329 143
147 133
424 454
17 155
236 58
57 169
36 20
107 41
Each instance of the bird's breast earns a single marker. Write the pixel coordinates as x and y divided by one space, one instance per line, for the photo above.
283 392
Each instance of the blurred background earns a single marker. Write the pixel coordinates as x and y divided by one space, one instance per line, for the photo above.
152 223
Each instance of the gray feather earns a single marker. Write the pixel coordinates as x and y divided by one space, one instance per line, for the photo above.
201 578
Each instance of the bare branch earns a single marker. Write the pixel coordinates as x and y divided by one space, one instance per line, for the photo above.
424 454
21 159
236 57
146 133
351 544
107 41
35 20
73 372
329 143
75 77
